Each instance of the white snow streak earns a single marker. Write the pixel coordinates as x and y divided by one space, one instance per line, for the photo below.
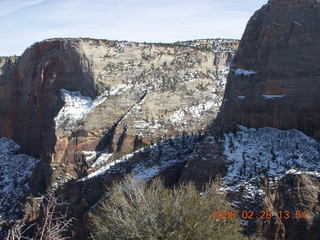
119 89
272 96
243 72
102 159
297 23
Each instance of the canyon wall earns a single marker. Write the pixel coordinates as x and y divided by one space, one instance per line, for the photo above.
275 78
67 101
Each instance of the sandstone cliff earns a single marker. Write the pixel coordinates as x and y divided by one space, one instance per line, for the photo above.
94 111
79 105
6 63
275 80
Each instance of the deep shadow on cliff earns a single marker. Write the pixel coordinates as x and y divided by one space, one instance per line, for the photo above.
31 99
275 79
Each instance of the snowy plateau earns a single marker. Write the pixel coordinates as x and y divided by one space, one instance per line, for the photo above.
15 172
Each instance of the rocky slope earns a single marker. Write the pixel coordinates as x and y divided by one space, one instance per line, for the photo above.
79 105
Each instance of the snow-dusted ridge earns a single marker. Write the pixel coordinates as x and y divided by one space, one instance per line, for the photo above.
268 152
161 156
15 172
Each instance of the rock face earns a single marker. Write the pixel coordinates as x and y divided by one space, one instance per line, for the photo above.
298 194
82 105
275 78
69 101
274 82
6 63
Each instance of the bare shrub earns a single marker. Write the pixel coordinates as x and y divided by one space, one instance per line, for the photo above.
18 230
54 223
52 226
136 210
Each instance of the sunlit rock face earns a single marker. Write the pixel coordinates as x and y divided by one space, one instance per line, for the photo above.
85 112
275 78
67 101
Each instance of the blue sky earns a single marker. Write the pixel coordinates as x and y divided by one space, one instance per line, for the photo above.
23 22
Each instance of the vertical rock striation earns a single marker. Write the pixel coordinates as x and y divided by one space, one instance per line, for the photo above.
275 78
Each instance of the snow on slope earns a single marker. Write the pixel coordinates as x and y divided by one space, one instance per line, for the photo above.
212 102
15 171
152 160
76 107
268 152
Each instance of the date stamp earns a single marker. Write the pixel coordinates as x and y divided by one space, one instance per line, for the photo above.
263 215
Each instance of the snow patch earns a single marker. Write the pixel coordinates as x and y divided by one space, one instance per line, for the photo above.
198 110
298 172
243 72
120 89
142 124
268 152
159 157
272 96
15 171
140 172
76 107
102 159
90 155
177 117
297 23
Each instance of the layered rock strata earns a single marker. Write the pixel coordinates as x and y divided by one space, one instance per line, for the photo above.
68 101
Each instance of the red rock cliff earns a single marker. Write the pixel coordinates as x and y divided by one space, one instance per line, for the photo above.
275 79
